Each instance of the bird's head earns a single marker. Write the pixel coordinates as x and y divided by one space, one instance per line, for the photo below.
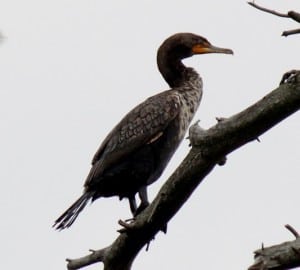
178 47
183 45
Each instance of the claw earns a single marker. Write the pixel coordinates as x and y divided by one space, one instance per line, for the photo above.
126 226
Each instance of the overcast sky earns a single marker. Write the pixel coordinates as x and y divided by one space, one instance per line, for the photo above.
70 69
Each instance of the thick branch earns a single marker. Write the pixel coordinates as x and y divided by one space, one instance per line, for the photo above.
283 256
294 15
209 147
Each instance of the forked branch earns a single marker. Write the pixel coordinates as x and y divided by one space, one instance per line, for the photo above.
291 14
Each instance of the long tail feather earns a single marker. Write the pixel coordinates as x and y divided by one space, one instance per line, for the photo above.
69 216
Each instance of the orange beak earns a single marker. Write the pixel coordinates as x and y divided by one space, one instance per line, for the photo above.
208 48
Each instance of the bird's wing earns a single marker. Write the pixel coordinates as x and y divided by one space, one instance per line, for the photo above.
142 125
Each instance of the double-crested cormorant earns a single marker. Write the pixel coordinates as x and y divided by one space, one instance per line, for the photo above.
137 150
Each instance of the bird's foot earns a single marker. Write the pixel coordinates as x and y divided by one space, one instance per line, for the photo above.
141 208
290 76
130 226
130 219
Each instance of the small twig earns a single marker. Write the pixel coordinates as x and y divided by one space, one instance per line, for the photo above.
268 10
147 246
292 230
220 119
290 32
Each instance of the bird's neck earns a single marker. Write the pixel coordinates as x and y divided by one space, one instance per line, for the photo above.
174 71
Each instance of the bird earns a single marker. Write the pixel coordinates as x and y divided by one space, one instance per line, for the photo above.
137 150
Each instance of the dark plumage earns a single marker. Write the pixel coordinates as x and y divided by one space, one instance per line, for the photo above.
137 150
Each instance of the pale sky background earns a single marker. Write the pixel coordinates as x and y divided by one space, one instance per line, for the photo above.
70 69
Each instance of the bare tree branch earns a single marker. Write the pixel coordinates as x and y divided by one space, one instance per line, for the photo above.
283 256
208 148
290 32
291 14
253 4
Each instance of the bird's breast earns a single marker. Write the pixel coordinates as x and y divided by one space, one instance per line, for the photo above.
189 103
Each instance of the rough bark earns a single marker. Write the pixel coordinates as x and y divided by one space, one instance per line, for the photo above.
209 147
